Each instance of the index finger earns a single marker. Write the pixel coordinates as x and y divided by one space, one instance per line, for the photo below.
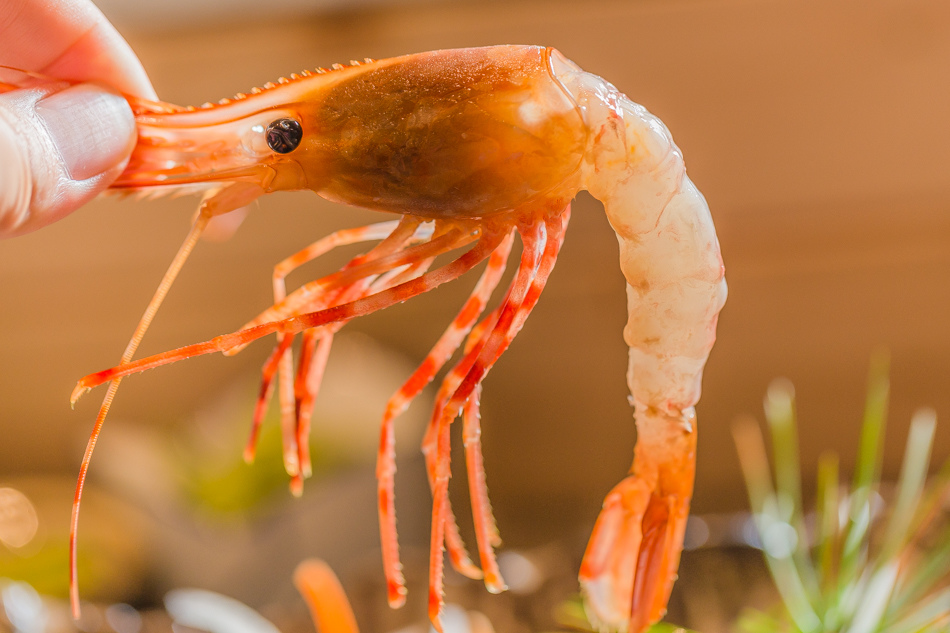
69 39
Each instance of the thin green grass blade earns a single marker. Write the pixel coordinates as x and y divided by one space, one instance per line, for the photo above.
935 499
852 579
780 414
935 565
867 472
929 613
768 519
911 482
866 618
913 586
754 462
828 523
868 468
922 580
870 605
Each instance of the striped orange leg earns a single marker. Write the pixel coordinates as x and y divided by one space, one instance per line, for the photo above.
487 536
315 352
267 388
399 402
401 275
436 443
330 290
320 294
486 243
542 242
393 236
453 539
320 247
201 222
314 355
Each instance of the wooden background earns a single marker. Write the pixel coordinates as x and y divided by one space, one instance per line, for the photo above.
818 132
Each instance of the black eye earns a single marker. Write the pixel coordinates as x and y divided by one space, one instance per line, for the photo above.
284 135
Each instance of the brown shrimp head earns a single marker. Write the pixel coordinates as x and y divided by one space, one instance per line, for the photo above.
463 133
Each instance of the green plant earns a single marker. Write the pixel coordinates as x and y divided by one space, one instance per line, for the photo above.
856 564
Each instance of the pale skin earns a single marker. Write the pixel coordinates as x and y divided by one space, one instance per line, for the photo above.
43 174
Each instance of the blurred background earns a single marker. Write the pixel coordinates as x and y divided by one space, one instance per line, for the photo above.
818 132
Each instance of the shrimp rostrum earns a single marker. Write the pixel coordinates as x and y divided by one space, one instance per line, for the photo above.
470 147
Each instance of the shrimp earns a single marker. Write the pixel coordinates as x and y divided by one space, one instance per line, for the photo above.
470 147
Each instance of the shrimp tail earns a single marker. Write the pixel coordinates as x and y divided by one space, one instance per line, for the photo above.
631 560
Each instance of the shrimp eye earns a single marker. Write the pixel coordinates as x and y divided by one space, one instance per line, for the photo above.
284 135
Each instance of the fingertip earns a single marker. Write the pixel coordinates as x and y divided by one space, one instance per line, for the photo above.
58 150
92 129
96 52
15 178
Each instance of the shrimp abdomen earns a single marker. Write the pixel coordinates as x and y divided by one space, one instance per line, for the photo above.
670 258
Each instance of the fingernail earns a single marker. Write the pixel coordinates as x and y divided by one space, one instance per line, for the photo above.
93 130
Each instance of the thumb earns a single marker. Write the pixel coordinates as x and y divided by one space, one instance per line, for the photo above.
57 151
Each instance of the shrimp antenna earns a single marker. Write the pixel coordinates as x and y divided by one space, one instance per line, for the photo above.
201 222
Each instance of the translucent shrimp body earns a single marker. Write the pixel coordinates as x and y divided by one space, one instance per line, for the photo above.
471 147
669 255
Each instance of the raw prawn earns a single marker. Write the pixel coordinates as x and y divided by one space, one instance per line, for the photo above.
470 147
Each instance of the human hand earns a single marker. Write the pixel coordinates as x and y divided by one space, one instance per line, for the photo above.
61 147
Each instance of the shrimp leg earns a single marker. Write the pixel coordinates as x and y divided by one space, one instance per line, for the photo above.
445 529
351 282
486 529
281 270
312 364
216 202
487 242
398 234
399 402
314 353
542 241
267 389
